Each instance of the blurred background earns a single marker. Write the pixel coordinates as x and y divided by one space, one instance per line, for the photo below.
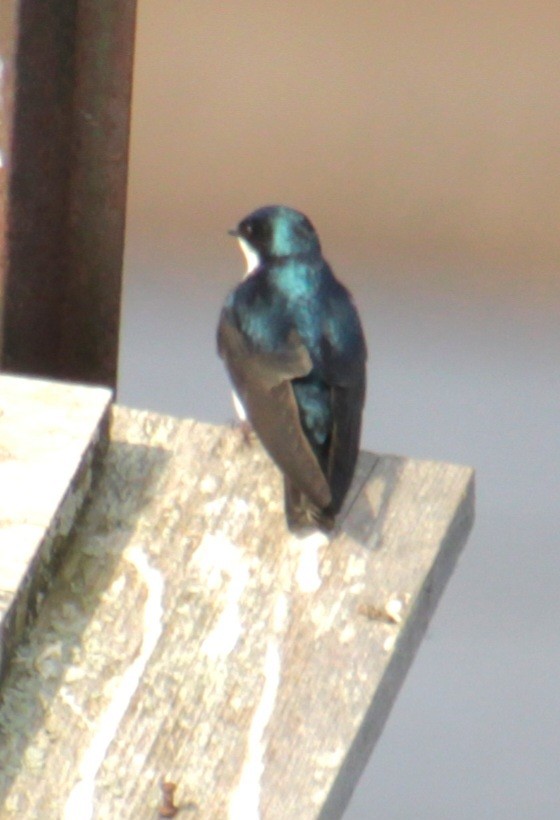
423 140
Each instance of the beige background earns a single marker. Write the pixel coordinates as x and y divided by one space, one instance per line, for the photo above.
420 129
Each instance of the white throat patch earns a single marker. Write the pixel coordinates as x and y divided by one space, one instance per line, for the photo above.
251 256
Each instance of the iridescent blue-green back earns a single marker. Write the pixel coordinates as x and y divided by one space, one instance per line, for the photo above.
300 294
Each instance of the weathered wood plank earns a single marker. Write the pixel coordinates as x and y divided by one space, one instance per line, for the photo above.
190 636
50 434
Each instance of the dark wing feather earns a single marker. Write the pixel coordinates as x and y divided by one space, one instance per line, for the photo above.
346 403
345 439
344 355
262 380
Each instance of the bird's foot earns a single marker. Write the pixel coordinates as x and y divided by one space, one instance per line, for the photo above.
245 429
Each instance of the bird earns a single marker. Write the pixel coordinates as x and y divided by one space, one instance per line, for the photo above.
293 344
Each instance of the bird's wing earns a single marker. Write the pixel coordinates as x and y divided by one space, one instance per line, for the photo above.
347 404
344 369
262 380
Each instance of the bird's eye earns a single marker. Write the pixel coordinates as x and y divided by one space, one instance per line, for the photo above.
248 229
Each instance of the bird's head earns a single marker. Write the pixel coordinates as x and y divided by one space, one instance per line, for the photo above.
275 232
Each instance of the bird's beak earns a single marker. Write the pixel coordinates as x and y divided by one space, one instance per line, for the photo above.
234 232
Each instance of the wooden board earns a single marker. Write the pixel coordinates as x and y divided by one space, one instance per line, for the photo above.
50 436
190 637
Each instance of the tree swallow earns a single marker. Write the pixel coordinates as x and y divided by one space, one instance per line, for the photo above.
293 345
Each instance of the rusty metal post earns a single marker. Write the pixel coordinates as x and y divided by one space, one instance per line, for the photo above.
65 110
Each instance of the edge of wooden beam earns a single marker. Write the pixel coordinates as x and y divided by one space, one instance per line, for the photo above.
52 437
407 644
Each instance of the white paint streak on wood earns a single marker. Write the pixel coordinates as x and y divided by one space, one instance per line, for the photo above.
221 565
245 800
80 802
306 551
